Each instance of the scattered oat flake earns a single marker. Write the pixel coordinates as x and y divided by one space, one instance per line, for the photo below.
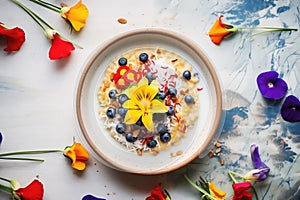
122 21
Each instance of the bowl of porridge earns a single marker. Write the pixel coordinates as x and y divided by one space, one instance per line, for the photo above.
148 101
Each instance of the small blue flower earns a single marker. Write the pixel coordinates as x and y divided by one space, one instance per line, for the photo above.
262 169
91 197
290 109
270 86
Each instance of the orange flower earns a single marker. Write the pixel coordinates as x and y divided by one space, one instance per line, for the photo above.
78 154
76 15
219 30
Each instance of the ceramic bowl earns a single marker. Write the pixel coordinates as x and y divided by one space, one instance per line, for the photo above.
97 138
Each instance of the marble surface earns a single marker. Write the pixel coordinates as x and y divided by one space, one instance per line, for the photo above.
37 96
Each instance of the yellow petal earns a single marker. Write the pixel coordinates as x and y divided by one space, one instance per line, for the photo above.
77 15
217 192
79 165
132 116
130 104
147 121
158 107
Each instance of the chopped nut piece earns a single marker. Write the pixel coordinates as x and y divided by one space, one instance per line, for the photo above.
122 21
222 161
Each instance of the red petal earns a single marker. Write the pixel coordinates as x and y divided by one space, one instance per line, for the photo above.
157 194
60 48
14 37
34 191
240 191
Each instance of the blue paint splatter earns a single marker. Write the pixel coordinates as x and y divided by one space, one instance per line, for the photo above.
230 123
282 9
244 9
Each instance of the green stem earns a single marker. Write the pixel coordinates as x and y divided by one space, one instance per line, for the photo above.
47 5
4 179
30 152
199 188
255 193
231 173
26 159
79 46
33 15
269 28
6 188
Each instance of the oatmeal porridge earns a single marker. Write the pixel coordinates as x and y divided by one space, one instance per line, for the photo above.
148 99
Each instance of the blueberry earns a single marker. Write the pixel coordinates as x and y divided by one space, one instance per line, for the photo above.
129 137
122 111
152 143
161 95
139 122
172 92
122 61
150 77
161 128
171 111
187 75
143 57
189 99
165 137
112 94
111 112
121 128
122 98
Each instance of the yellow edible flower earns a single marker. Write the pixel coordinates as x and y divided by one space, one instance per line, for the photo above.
76 15
219 194
142 103
78 154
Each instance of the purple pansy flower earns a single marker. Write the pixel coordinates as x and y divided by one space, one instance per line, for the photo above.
1 138
263 169
270 86
290 110
91 197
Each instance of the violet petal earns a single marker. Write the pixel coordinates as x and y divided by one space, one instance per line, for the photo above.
290 110
270 86
262 174
91 197
257 174
257 163
1 137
